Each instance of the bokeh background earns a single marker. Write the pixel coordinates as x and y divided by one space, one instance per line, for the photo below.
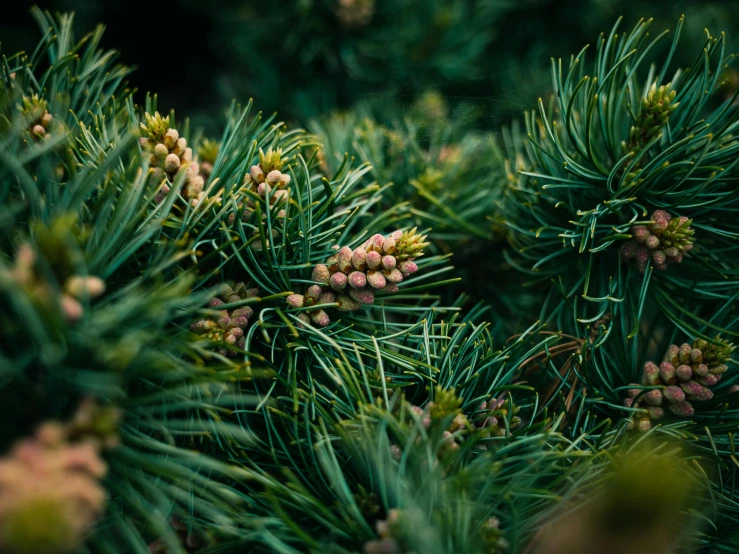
304 58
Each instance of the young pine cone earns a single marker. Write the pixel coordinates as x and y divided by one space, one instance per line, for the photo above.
227 329
685 375
50 493
170 156
378 265
665 240
266 179
36 115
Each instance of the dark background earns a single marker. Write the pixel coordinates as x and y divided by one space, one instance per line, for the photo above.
290 55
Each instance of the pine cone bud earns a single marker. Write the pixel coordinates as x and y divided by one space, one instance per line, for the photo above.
321 274
338 282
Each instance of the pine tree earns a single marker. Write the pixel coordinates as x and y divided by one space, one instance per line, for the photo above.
257 342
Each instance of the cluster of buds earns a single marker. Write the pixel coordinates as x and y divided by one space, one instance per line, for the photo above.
170 156
266 179
355 14
491 416
227 329
74 289
353 276
665 240
656 108
207 152
36 114
685 376
50 494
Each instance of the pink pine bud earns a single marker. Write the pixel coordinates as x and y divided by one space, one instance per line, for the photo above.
661 219
171 163
256 173
373 259
161 151
652 242
238 322
71 308
347 304
344 260
338 282
320 318
357 280
659 259
407 267
684 409
327 298
274 176
359 258
628 402
376 279
667 372
389 245
695 391
696 355
303 317
628 250
171 137
215 302
653 397
390 288
684 372
313 292
263 189
640 233
395 235
321 274
296 300
244 311
187 156
633 393
651 374
363 296
672 253
393 275
642 257
673 394
655 412
284 179
376 243
389 262
700 369
709 380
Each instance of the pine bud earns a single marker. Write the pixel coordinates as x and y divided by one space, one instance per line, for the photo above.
640 233
652 242
673 394
363 296
695 391
320 318
407 267
296 300
357 280
653 397
684 409
321 274
376 279
667 372
373 259
347 304
359 258
655 412
650 376
327 298
161 151
344 260
388 262
313 292
171 163
684 372
338 281
393 275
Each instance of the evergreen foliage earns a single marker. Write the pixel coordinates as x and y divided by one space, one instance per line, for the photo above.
256 342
